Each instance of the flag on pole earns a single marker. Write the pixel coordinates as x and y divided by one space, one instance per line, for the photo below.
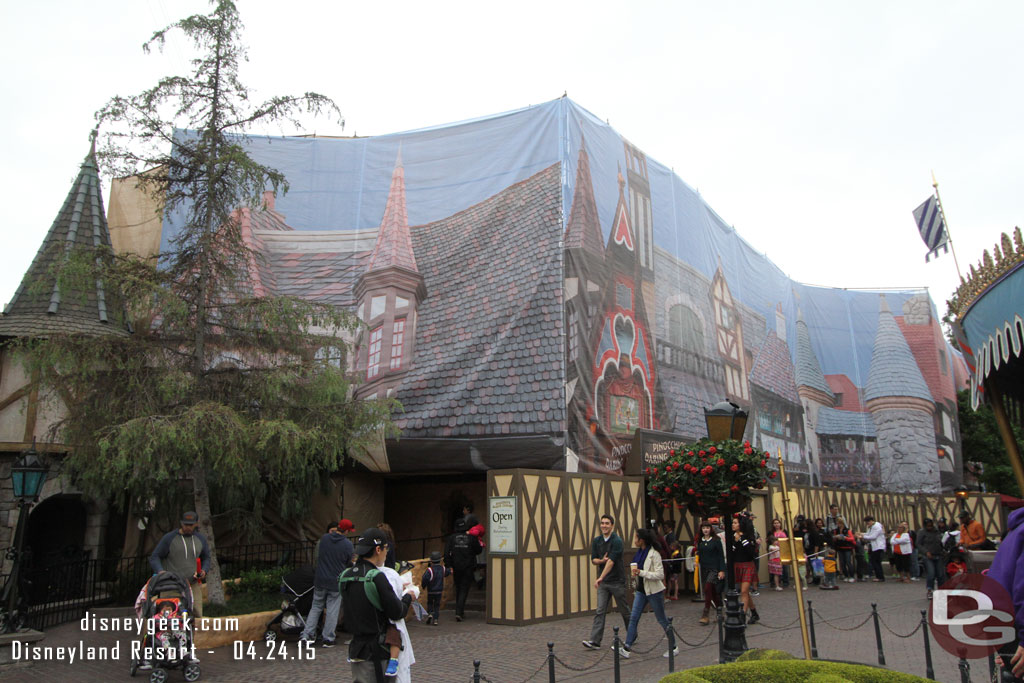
932 227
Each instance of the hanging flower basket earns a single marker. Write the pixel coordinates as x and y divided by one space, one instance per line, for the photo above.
709 477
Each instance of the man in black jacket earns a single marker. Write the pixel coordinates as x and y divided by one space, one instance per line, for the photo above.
460 554
362 586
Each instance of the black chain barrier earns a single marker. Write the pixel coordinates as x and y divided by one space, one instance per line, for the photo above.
633 649
841 628
775 628
900 635
570 667
684 641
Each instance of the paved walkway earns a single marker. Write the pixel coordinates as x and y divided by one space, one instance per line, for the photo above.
514 654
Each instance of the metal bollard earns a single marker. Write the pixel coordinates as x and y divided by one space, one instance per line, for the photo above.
551 662
878 634
810 628
718 618
671 647
965 670
476 671
615 630
929 670
992 667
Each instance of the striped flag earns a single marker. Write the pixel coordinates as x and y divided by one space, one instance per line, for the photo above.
932 227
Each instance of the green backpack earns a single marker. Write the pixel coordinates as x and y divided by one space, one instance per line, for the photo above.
368 585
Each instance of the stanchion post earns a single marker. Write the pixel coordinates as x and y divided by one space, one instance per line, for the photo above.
878 634
671 647
992 666
810 629
551 662
476 671
718 619
615 653
929 670
965 670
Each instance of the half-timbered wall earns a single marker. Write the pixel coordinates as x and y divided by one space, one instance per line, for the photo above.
552 577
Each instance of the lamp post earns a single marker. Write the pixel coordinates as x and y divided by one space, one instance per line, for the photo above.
725 420
962 494
28 475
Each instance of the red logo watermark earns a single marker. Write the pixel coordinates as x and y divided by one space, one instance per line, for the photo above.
971 616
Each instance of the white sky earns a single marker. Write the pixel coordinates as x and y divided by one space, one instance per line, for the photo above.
813 127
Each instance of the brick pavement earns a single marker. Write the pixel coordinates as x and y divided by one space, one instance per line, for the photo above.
512 654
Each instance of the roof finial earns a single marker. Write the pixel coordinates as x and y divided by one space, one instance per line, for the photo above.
92 140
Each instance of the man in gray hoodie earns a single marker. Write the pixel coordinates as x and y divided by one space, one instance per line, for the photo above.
334 554
184 552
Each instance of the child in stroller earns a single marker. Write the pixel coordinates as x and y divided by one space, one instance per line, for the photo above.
165 605
297 587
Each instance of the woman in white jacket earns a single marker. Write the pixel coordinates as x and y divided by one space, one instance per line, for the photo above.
649 575
902 547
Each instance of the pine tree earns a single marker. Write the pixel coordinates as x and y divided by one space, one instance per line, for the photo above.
220 392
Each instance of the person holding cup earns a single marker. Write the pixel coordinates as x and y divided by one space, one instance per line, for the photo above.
647 571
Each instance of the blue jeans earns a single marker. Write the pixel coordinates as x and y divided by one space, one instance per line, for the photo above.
936 572
332 600
640 600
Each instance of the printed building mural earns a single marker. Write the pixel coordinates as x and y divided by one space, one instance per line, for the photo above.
536 289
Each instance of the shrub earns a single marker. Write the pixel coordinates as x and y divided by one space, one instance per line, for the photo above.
760 654
791 671
258 581
827 678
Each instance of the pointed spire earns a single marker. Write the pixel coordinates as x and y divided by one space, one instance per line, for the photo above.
584 227
808 370
394 243
40 306
894 371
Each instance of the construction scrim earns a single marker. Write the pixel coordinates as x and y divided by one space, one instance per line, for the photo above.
536 289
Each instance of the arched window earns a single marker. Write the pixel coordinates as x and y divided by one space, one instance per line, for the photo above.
685 329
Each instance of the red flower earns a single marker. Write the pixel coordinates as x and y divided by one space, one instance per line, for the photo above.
746 444
675 486
706 480
734 487
647 471
748 451
767 454
689 453
690 491
764 463
712 450
672 452
734 468
655 471
763 482
702 453
721 461
668 489
771 475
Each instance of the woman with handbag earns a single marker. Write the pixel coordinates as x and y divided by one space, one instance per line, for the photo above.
711 556
649 575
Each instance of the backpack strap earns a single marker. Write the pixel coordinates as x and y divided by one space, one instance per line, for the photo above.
372 594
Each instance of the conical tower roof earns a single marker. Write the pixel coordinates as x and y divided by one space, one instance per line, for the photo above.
394 244
584 228
808 370
894 372
40 306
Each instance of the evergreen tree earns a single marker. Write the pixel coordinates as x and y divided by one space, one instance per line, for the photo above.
981 443
232 396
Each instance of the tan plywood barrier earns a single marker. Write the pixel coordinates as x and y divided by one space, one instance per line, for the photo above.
552 577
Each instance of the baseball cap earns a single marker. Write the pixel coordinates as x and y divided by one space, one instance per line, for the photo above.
963 515
435 556
370 540
346 525
189 518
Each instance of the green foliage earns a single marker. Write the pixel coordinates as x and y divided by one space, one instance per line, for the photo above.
761 654
791 671
709 476
217 390
827 678
244 603
259 581
981 443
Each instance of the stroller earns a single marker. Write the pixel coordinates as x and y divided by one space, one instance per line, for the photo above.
297 585
165 603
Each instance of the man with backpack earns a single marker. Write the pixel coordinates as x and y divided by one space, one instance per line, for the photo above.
370 602
460 554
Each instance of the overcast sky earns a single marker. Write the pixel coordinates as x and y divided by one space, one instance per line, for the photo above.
812 127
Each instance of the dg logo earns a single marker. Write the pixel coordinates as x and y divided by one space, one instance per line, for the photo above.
971 616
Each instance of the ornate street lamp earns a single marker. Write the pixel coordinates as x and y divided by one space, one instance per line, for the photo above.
962 494
725 420
28 475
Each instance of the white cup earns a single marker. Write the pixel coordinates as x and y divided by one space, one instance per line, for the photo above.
632 565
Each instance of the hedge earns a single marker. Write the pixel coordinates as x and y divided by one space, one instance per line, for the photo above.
790 671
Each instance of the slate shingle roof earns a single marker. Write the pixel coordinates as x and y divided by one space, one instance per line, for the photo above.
583 229
689 396
327 277
39 305
488 341
844 423
808 370
894 370
773 369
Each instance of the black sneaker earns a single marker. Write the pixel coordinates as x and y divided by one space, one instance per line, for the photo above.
458 617
327 643
591 645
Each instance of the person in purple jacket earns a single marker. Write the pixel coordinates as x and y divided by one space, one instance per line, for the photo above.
1008 569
